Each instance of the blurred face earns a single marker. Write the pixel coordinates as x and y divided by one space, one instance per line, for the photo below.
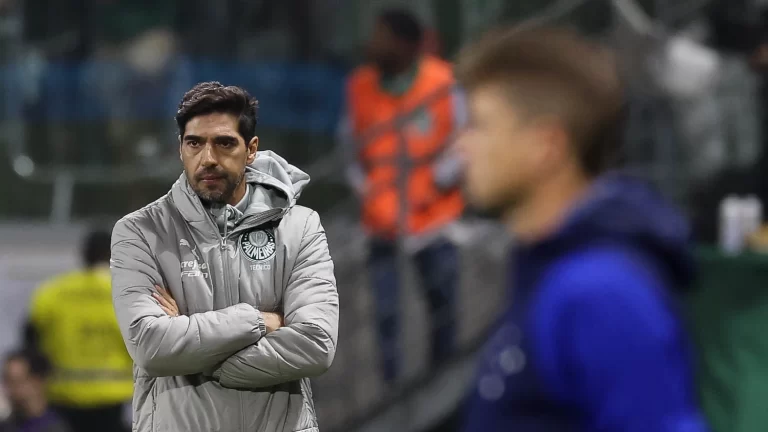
214 157
506 153
22 387
388 53
6 6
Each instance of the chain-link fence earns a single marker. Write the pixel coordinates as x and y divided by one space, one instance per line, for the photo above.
88 92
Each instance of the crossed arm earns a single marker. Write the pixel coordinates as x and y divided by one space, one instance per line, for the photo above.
233 342
272 321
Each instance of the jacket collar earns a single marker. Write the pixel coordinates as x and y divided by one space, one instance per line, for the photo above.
275 187
193 211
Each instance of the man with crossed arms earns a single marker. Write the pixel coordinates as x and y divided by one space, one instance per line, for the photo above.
224 288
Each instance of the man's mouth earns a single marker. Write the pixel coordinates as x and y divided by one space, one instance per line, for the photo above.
211 178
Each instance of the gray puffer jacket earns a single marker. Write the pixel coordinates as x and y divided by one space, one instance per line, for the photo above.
213 368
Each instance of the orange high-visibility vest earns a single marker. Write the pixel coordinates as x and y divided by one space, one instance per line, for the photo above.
420 122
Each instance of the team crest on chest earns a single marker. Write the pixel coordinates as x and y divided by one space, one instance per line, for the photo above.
258 245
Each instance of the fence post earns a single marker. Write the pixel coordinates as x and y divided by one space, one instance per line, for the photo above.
63 191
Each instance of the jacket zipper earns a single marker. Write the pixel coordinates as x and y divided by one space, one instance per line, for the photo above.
253 222
225 258
225 262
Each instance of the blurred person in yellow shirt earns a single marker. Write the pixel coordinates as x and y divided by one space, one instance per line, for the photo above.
73 324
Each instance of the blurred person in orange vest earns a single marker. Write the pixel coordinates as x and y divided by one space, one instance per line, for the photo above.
24 376
73 324
402 113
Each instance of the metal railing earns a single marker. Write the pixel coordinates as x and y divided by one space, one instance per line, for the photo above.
264 82
313 109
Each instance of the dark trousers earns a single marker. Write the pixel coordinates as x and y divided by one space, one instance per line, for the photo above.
437 266
97 419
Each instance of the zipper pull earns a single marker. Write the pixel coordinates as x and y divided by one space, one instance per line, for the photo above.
228 213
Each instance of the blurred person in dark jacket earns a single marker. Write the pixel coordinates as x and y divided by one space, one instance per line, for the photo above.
24 375
593 340
73 324
402 115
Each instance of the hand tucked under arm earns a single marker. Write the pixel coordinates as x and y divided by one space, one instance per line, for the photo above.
305 347
166 345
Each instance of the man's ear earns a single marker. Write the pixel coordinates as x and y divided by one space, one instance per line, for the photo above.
253 147
180 158
554 143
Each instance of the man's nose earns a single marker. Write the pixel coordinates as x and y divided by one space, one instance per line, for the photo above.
209 156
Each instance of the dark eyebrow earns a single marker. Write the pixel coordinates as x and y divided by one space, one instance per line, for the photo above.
225 139
228 139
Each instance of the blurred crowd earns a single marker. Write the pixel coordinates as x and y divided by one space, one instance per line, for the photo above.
112 71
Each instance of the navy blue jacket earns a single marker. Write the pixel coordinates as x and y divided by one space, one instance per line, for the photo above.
593 339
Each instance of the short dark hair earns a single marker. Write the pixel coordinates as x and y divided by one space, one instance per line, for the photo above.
213 97
38 365
96 248
404 25
555 71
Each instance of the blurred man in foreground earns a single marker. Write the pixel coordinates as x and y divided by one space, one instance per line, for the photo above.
73 324
224 288
24 375
402 116
593 340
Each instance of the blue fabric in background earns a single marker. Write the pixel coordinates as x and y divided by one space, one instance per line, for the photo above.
301 97
304 97
593 340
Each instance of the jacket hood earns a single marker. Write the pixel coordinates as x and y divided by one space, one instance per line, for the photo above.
628 211
276 185
270 169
